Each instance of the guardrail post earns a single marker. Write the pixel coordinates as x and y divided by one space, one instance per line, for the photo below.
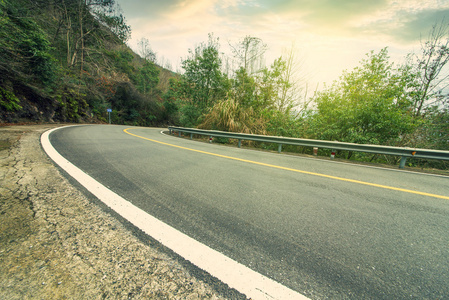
240 143
402 163
191 136
169 131
179 133
279 148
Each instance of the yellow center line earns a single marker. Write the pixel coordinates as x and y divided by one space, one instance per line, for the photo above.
294 170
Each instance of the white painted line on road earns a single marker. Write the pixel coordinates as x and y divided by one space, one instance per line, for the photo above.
234 274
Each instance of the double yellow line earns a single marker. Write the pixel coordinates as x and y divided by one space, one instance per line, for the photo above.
294 170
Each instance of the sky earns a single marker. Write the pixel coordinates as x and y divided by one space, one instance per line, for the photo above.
329 35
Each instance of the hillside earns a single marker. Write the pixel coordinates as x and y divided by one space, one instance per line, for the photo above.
67 61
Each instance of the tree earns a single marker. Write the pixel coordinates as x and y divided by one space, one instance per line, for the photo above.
202 83
249 52
203 75
110 14
369 105
79 22
274 85
145 50
147 78
293 93
267 89
431 80
244 88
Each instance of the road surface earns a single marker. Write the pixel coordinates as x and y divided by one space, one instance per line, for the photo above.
323 229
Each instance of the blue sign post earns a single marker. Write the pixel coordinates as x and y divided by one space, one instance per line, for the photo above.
109 115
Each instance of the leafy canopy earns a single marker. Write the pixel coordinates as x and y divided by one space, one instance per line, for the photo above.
369 105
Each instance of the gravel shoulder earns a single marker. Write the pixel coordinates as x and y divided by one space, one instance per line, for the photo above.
55 243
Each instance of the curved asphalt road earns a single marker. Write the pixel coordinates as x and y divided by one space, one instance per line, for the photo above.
299 221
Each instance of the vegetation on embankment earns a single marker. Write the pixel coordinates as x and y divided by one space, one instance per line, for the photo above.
67 61
377 102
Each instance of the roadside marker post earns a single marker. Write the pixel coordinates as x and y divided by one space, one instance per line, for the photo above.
109 114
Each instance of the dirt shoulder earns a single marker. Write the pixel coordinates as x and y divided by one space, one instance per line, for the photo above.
57 244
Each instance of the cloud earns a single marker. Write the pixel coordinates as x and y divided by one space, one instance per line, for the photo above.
335 33
135 9
400 20
397 19
190 9
418 26
339 12
322 14
404 25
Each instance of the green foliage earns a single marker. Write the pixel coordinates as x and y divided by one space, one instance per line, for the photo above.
204 91
173 99
202 74
123 60
95 70
272 83
282 124
170 112
36 48
71 106
133 108
434 130
190 115
199 88
439 127
8 100
376 103
24 47
244 88
265 89
368 106
147 77
117 25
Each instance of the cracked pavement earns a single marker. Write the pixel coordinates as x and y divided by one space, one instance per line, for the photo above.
55 243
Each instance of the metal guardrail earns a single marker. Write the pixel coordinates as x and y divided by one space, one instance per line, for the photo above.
404 153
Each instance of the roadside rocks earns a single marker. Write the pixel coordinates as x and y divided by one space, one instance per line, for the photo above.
56 244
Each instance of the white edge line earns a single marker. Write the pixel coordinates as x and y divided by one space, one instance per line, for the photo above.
234 274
